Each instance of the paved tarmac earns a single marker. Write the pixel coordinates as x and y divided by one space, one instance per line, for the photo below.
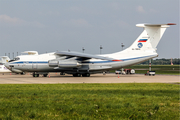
95 78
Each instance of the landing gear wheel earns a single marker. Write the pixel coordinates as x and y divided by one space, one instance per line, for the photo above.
86 75
35 75
23 73
45 75
77 75
62 73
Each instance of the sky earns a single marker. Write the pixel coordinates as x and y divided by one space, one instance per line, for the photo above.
61 25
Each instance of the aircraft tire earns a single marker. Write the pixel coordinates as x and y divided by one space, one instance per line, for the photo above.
23 73
45 75
86 75
77 75
35 75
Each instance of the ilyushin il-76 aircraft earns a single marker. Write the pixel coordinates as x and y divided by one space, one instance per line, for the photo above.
81 64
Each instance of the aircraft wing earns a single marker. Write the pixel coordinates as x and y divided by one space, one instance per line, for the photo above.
82 56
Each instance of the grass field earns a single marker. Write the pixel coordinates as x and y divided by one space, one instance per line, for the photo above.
160 69
90 101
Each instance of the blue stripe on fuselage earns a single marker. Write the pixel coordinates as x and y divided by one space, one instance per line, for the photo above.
27 62
116 61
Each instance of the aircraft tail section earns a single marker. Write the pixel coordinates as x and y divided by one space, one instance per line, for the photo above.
5 59
150 37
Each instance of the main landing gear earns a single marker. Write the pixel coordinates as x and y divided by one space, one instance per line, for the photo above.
83 75
45 75
23 73
37 75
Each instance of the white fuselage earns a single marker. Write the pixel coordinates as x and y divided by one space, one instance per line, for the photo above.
39 63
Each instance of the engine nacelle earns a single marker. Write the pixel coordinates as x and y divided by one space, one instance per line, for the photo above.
64 63
53 63
68 64
16 70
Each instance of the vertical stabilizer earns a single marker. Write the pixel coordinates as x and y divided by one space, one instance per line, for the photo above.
5 59
150 37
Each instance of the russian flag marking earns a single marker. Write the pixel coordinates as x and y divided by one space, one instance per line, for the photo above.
142 40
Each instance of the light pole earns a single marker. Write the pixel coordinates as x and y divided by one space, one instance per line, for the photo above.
100 48
122 49
122 45
149 64
83 49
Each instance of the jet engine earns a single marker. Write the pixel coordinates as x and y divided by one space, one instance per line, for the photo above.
16 70
53 63
64 63
68 63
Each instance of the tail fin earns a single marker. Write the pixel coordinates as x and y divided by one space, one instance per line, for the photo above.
150 37
5 59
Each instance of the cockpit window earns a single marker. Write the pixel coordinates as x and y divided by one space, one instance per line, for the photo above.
15 59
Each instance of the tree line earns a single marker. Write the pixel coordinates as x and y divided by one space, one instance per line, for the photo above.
163 61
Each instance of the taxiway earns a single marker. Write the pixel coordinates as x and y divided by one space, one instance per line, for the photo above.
55 78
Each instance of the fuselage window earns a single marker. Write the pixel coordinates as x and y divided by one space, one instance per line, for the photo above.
17 58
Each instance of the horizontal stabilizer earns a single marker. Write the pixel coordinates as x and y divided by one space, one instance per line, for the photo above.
31 52
154 25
